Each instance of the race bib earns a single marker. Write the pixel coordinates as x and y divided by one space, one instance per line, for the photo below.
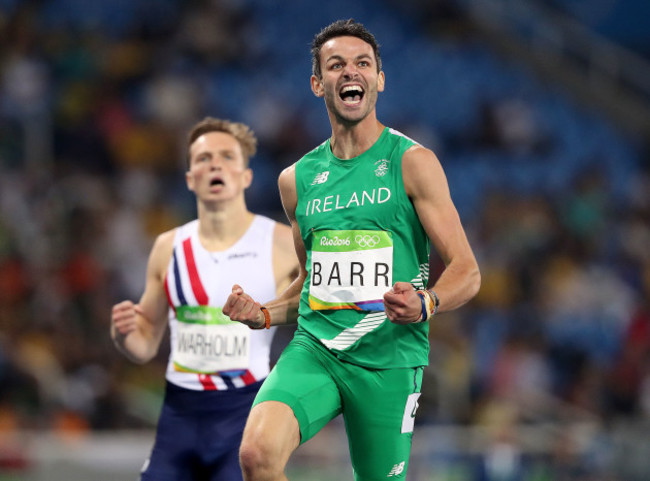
207 341
350 269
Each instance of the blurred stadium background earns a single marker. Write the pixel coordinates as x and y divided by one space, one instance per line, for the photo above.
540 114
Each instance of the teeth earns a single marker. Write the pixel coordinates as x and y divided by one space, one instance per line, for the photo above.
349 88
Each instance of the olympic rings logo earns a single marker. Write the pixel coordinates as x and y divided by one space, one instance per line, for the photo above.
367 240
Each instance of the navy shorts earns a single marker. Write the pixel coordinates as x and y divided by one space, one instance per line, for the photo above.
198 435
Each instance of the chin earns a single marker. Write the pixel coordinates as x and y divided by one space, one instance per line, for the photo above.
351 119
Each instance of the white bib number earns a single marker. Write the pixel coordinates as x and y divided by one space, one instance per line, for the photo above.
207 341
350 269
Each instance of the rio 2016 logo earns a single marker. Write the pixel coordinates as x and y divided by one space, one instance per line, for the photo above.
334 241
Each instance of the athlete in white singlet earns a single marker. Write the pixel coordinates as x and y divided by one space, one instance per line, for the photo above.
208 351
216 366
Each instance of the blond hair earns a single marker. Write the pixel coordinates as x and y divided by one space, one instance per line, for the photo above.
241 132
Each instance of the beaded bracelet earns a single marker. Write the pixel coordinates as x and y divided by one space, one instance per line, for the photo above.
436 301
430 303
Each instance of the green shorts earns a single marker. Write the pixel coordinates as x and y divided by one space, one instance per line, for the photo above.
378 406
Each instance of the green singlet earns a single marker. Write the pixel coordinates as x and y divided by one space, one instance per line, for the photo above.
361 234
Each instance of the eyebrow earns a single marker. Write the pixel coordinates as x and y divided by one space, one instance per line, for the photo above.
201 153
219 152
339 57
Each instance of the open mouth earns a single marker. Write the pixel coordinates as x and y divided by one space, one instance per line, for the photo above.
216 181
351 94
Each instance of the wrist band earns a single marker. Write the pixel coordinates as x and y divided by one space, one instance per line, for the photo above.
430 303
267 317
423 314
436 301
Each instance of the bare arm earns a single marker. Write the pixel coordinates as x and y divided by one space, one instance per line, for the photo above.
285 261
283 309
138 329
426 184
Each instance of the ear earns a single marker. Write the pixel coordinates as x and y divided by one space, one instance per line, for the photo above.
189 180
317 86
381 80
248 178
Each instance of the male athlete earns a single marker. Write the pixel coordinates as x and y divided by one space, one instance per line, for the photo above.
364 207
216 366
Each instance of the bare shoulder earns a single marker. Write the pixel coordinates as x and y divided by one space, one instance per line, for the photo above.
287 178
290 170
165 241
162 250
419 156
422 172
288 191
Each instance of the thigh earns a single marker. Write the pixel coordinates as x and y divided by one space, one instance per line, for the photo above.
220 432
379 414
227 468
173 453
301 380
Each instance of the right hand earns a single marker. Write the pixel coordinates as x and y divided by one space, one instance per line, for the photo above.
124 317
242 308
402 304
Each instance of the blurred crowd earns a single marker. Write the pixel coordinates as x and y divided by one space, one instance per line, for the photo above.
92 149
92 142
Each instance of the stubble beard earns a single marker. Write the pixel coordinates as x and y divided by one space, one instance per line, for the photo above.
330 103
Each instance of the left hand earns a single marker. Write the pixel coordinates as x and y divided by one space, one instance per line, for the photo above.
402 304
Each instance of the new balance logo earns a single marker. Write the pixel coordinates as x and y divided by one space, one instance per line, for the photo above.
321 178
397 470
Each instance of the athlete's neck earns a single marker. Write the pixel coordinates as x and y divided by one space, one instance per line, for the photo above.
348 142
220 228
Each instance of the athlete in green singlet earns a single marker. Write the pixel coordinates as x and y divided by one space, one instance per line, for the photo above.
364 206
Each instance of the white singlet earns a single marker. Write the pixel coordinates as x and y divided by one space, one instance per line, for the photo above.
208 351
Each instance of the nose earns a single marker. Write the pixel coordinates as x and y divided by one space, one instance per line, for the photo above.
349 70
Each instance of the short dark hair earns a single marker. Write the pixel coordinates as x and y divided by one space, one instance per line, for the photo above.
341 28
242 132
